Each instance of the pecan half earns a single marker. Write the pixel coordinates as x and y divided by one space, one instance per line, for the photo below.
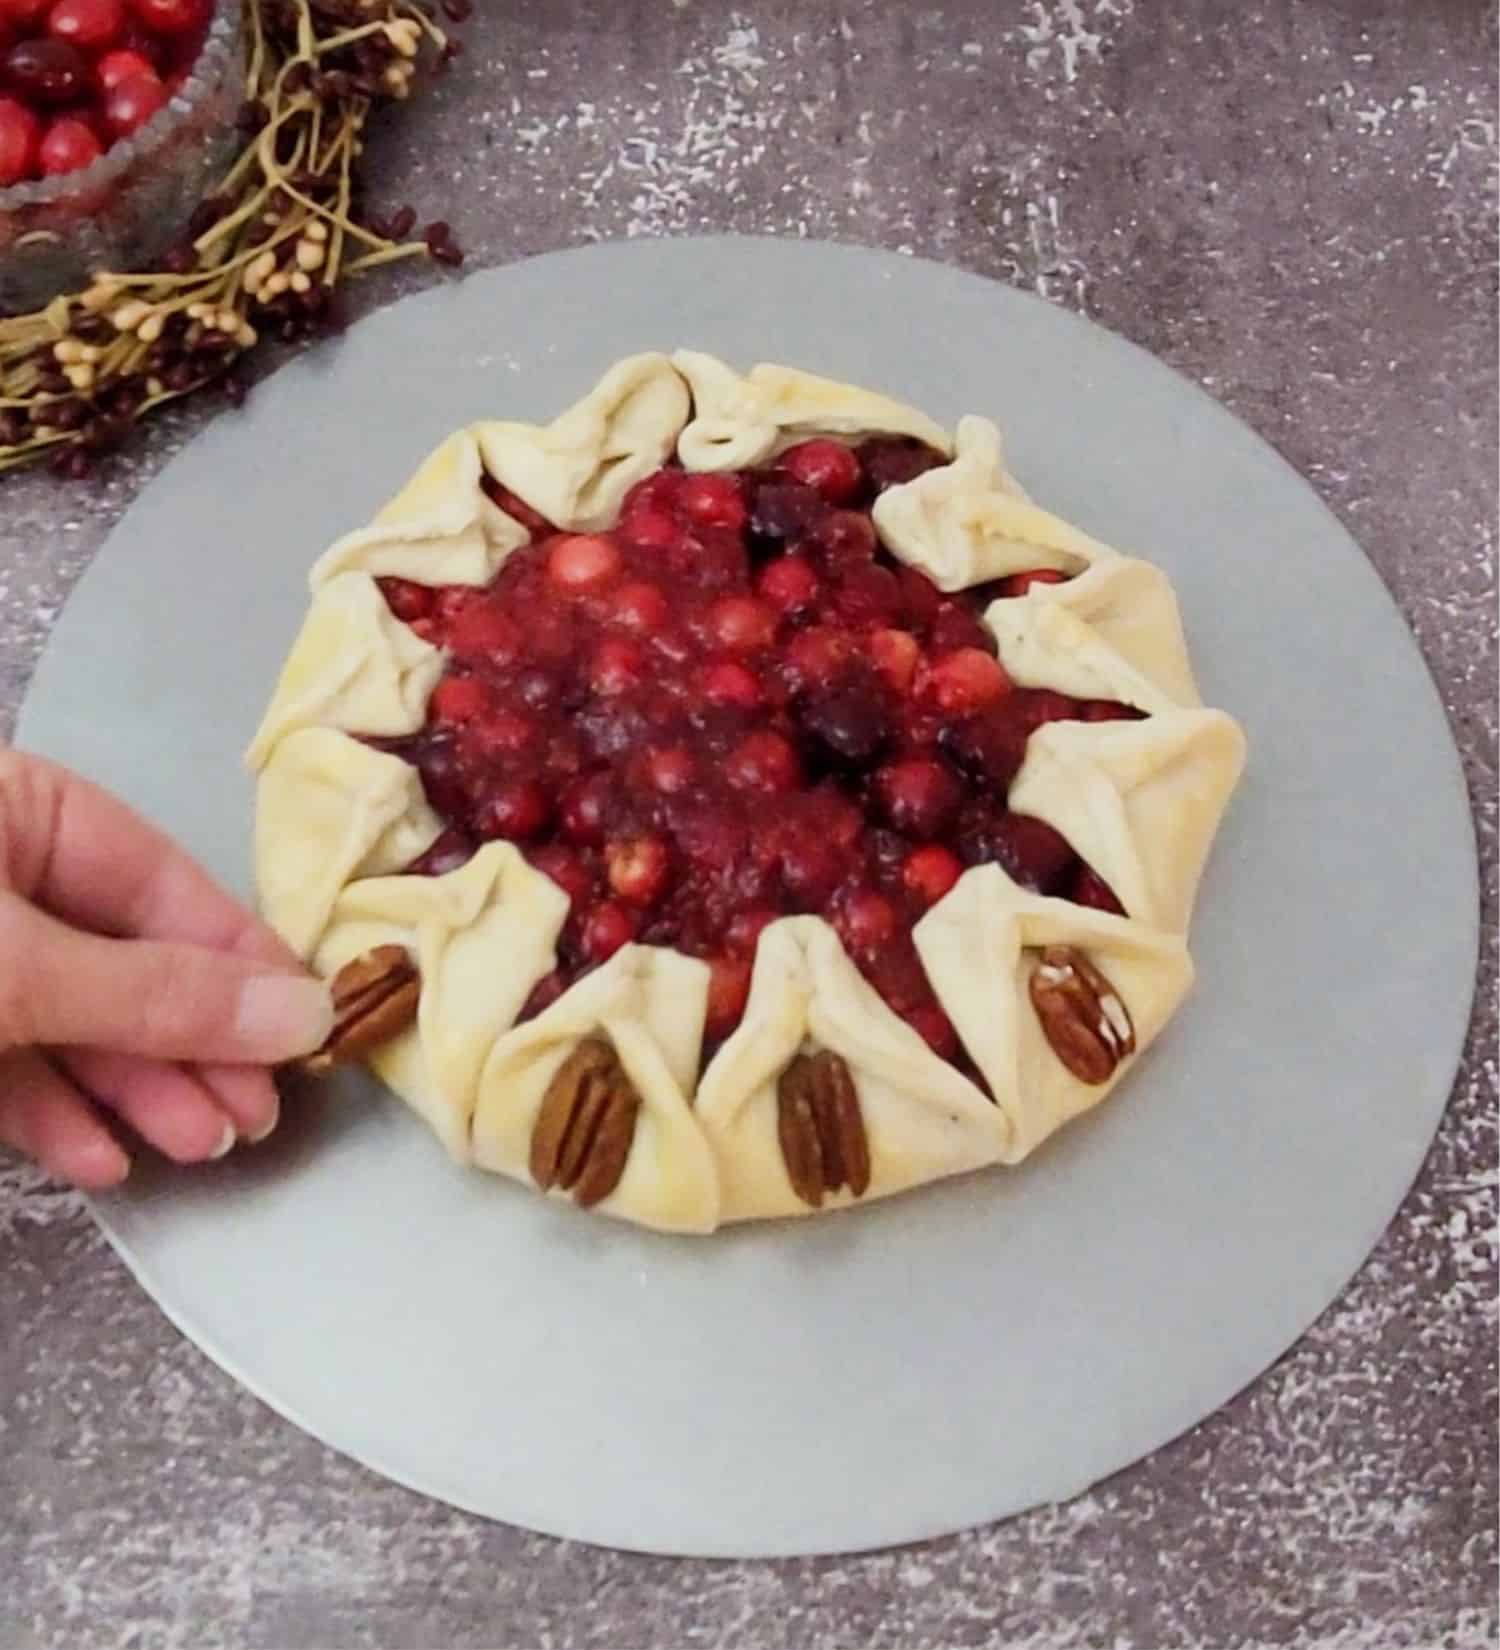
1082 1015
375 997
821 1130
583 1133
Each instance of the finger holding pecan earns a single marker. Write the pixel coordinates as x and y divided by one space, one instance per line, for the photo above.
375 998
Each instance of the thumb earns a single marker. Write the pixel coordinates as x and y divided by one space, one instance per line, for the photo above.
59 986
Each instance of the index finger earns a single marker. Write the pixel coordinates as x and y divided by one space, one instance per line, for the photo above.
92 861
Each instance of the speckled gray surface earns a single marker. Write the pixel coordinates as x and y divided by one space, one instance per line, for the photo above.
1295 206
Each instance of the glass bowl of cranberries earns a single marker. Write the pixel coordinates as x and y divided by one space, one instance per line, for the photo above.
115 116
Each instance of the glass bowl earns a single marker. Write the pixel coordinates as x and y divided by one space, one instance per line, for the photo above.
124 210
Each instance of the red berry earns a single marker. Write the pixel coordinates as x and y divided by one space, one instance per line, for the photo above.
45 72
20 138
728 992
544 993
1037 856
866 921
1034 706
583 809
605 929
814 657
171 16
640 607
579 560
843 538
132 103
922 597
811 867
918 794
617 666
1107 710
789 583
828 467
516 508
745 929
1089 888
515 811
955 626
405 598
91 23
964 681
502 732
68 146
1019 583
741 624
935 1027
21 13
713 501
728 683
565 868
457 699
868 595
638 868
895 654
930 871
657 492
483 631
763 761
650 529
670 771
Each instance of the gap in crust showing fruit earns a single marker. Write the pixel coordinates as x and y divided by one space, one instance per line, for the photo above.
731 707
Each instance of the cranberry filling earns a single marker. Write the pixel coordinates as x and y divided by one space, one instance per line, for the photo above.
732 706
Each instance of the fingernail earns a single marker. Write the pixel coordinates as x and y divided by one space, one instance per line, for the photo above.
225 1145
283 1015
266 1127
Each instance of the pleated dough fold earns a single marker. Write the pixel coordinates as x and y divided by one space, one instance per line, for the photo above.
923 1119
481 936
1140 801
649 1004
576 469
979 945
329 810
740 421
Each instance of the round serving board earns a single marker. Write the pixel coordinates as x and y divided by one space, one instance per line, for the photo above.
947 1357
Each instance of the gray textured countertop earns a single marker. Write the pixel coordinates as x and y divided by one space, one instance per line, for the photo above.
1290 202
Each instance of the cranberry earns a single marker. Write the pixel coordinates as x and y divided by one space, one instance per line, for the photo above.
537 688
670 771
728 992
930 871
1107 710
763 761
865 921
785 511
741 624
849 721
828 467
895 654
843 538
406 599
954 626
729 683
24 14
639 606
868 595
1089 888
91 23
815 657
922 598
20 137
516 508
68 145
810 870
964 681
657 492
745 929
485 632
789 583
710 837
516 810
544 993
605 929
638 868
171 16
650 529
449 850
457 699
935 1028
566 869
918 794
713 501
1032 852
584 806
617 666
502 732
132 103
1032 707
46 72
892 460
578 560
1019 583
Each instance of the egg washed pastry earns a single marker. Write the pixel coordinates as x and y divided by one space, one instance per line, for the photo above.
736 798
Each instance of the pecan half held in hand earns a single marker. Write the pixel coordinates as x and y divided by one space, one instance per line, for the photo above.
821 1130
375 998
1082 1014
583 1133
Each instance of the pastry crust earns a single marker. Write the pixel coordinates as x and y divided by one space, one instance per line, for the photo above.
337 821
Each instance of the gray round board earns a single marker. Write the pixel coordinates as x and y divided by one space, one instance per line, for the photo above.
910 1368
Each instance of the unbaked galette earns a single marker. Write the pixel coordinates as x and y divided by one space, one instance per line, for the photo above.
736 798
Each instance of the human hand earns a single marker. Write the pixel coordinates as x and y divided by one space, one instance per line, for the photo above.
130 984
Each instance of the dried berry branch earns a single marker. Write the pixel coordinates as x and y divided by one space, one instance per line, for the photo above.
265 254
